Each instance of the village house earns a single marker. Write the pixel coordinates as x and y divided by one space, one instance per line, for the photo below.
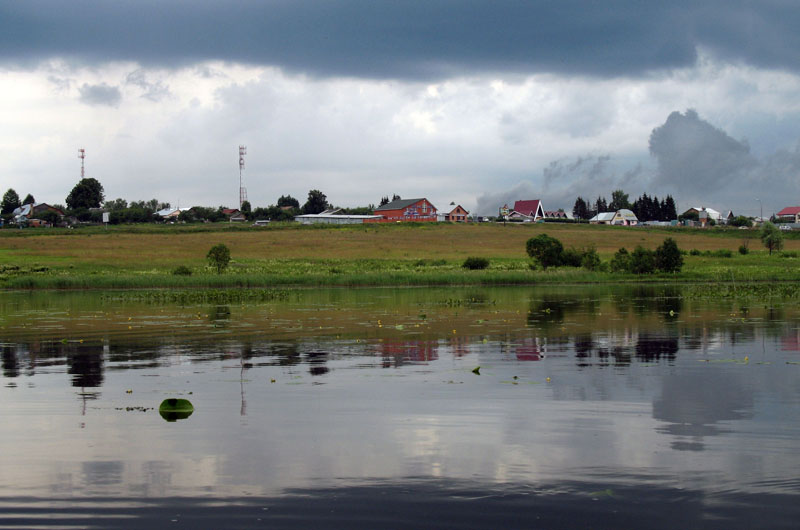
420 210
29 213
622 217
332 216
457 215
234 215
706 215
527 211
790 214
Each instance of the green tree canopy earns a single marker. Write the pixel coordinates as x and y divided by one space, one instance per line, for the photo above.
288 200
246 208
619 200
87 193
668 256
317 202
10 201
29 199
772 237
545 249
219 257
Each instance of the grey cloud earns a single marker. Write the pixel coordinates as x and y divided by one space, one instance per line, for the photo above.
154 91
61 84
693 154
407 40
702 164
101 94
566 179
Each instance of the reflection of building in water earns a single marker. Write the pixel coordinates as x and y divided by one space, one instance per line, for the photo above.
85 363
529 350
400 353
10 360
316 362
791 342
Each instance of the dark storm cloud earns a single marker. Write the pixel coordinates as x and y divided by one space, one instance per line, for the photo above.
693 154
405 39
101 94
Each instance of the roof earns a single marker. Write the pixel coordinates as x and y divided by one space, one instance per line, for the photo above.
457 208
399 204
603 216
324 215
712 213
527 207
627 214
789 210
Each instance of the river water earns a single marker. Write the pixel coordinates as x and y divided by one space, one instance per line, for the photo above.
523 407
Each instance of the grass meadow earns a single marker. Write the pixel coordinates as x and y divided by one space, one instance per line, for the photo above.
403 254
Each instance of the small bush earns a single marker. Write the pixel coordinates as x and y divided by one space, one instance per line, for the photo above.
722 253
789 254
545 249
591 260
743 250
571 257
182 270
642 261
695 252
668 257
219 257
621 261
475 263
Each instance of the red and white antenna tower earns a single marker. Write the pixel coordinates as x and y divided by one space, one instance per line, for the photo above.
82 156
242 189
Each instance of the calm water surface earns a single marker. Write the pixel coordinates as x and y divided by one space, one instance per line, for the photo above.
592 408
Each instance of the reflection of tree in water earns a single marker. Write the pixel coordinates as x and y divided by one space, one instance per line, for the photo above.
85 364
316 362
656 347
693 405
551 310
287 353
219 315
665 300
647 348
10 362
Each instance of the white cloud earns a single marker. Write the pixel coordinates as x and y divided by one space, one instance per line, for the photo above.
174 134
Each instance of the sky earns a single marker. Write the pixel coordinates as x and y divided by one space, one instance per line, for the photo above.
477 103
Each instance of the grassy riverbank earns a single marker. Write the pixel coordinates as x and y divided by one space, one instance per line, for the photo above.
380 255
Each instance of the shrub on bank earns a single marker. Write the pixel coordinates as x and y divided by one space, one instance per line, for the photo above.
475 263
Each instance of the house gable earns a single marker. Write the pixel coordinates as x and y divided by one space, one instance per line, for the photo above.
530 208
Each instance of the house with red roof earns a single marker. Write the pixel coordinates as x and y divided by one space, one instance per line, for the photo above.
790 214
406 210
530 210
458 215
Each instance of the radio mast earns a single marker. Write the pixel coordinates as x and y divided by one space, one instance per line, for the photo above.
82 156
242 189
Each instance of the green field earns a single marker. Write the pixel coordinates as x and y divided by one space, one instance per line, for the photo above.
384 254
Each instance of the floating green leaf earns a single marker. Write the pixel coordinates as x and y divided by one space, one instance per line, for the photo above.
174 409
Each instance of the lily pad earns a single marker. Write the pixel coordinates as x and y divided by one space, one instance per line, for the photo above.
174 409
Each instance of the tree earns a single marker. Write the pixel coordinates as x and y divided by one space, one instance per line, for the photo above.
87 193
29 199
669 211
621 262
740 220
219 256
668 256
600 205
772 237
581 209
288 200
246 208
116 204
395 197
317 202
50 217
642 261
619 200
545 249
10 201
384 200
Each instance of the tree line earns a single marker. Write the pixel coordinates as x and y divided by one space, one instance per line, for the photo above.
645 208
86 203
